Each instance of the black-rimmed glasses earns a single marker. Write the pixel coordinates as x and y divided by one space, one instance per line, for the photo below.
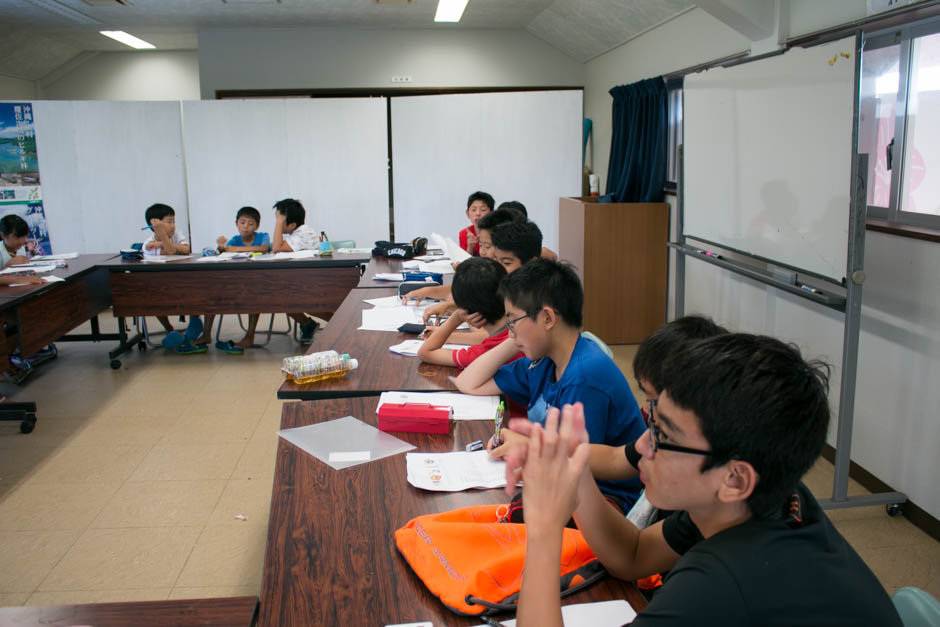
511 325
656 433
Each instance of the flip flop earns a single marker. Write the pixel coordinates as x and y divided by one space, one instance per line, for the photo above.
194 330
229 347
173 339
189 349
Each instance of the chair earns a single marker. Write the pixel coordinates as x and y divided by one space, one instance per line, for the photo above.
916 607
603 346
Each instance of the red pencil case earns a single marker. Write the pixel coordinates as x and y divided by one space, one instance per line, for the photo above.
415 417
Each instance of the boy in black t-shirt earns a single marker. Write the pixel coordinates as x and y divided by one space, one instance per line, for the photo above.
739 420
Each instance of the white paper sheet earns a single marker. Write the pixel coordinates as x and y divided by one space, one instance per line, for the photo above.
451 248
344 442
599 614
390 318
454 472
48 279
29 268
389 276
441 267
164 258
55 257
466 407
410 347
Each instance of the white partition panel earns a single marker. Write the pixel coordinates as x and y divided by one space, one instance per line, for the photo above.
331 154
102 164
523 146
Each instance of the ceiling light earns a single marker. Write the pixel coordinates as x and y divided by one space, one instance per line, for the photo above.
126 39
449 10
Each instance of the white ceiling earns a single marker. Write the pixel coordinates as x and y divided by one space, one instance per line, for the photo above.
39 36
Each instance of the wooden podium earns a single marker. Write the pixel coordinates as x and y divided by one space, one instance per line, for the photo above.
619 250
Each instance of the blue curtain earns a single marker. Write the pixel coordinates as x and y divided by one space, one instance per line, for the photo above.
637 168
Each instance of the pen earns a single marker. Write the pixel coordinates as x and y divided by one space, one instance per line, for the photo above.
144 228
499 422
810 289
492 621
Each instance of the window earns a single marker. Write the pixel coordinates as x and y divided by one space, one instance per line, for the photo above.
899 124
674 138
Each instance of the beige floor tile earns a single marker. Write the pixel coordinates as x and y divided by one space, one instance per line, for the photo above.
122 559
226 555
28 556
214 592
258 459
189 462
149 399
78 597
17 464
54 505
13 599
246 497
88 464
214 428
161 504
880 532
896 567
210 403
111 430
50 432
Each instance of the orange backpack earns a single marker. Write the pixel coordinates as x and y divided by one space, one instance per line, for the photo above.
473 562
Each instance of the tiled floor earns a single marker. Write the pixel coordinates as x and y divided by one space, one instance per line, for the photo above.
129 486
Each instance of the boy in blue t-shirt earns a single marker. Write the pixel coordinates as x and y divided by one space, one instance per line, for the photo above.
543 305
248 240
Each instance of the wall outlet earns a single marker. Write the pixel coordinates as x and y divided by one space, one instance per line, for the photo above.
401 79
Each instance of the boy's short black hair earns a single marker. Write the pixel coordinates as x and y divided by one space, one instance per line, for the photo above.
545 283
666 340
501 216
757 400
486 198
158 211
476 287
249 212
523 239
16 226
292 210
515 205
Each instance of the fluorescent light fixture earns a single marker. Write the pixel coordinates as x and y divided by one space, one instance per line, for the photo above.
449 10
127 40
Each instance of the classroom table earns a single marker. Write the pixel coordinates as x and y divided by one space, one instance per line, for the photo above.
190 287
379 369
331 557
45 313
378 265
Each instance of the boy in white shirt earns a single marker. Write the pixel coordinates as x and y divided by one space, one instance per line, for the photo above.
291 235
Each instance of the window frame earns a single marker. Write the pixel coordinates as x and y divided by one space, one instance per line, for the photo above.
674 133
903 37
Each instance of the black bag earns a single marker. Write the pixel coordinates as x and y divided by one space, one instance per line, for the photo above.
392 250
420 246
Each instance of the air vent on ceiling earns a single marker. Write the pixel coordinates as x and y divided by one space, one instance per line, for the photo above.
108 3
249 2
394 1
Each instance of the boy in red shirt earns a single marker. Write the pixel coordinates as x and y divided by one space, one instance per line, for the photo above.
475 292
478 205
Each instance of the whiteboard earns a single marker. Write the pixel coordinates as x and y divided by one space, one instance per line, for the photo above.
102 163
768 154
523 146
331 154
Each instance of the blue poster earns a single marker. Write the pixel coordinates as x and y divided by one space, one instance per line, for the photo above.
20 190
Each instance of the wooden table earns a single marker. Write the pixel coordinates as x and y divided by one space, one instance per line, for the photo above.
227 287
379 369
383 264
331 557
222 612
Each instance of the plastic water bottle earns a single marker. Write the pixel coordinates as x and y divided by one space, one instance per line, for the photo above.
318 366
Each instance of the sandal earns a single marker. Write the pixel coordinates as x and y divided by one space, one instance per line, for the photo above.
189 349
229 347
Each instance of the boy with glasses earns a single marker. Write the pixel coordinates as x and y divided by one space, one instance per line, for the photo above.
543 301
739 421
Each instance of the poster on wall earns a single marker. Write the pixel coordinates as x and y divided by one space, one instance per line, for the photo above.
20 190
